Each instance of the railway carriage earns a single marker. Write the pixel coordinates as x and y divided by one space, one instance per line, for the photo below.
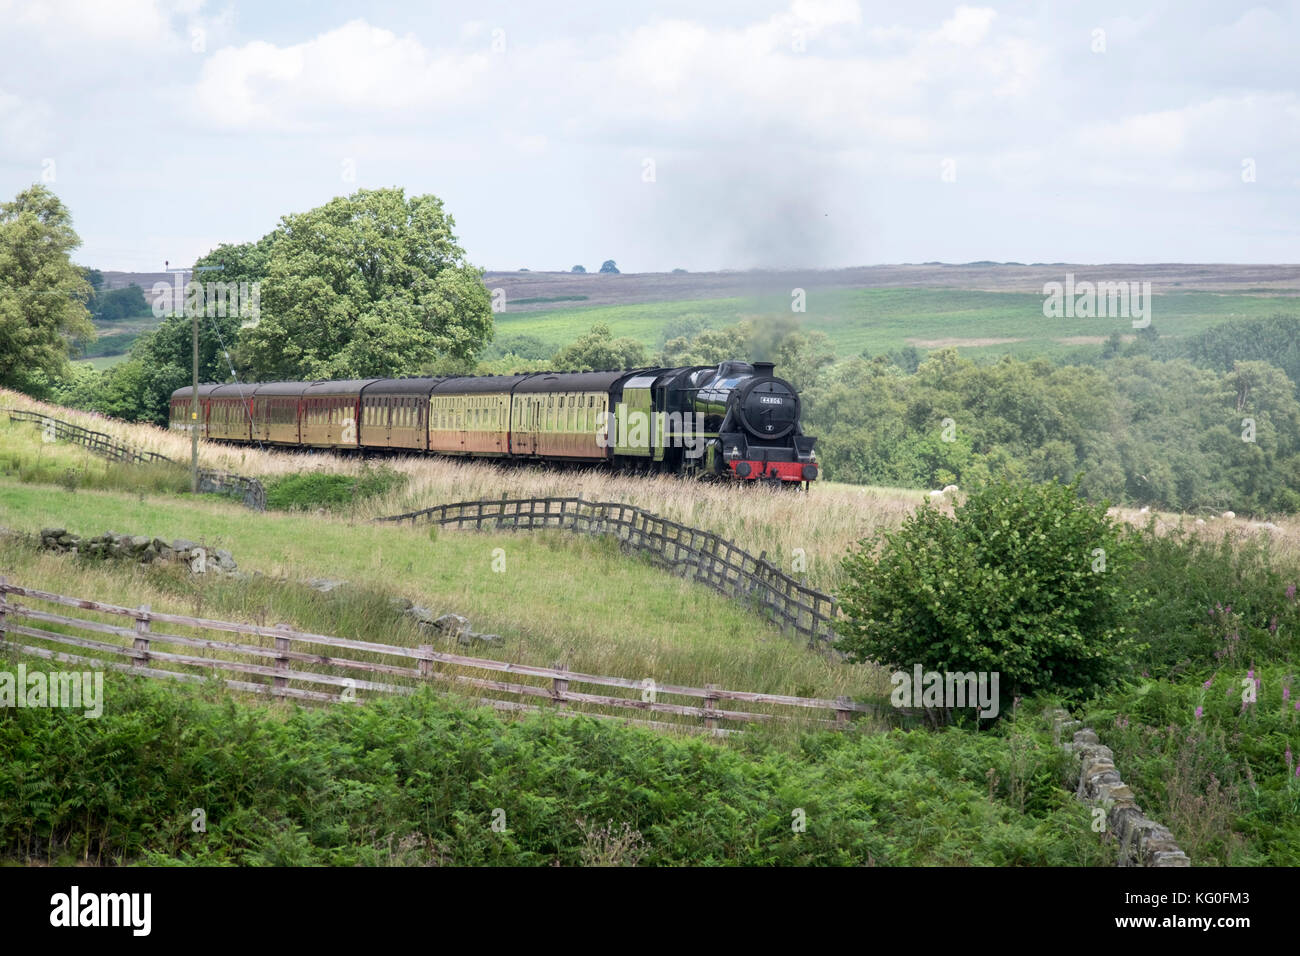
470 415
395 413
276 410
562 415
330 413
182 406
229 413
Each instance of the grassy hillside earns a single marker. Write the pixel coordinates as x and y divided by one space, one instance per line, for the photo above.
560 598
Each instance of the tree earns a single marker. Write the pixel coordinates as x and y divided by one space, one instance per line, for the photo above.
371 284
42 294
609 266
117 304
1114 343
578 269
599 350
1026 581
1275 339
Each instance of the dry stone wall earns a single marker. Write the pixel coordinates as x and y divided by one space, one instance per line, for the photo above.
1142 841
140 548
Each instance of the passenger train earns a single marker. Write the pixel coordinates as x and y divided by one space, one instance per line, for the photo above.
735 420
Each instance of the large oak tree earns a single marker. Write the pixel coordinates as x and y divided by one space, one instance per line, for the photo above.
371 284
42 294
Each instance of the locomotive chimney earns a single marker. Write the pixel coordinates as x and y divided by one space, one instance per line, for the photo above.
764 369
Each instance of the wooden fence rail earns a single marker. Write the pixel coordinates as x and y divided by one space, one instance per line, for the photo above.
692 552
250 490
286 660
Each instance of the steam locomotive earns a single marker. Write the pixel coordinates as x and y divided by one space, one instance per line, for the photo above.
735 420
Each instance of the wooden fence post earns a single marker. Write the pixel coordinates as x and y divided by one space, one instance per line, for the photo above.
426 663
559 687
4 603
141 645
281 663
711 704
842 713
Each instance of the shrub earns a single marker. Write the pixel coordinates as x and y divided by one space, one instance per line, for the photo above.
1027 581
319 490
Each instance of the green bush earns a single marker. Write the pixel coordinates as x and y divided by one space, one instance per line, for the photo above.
308 490
1027 581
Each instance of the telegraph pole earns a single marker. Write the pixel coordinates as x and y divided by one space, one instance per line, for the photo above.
194 405
194 411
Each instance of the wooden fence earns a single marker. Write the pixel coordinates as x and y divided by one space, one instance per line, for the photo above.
291 664
249 490
692 552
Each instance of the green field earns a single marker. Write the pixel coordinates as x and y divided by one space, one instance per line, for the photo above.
882 320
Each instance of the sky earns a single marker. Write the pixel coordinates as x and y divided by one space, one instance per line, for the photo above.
665 134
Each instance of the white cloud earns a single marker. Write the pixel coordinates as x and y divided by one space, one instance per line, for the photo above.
1197 146
130 24
968 25
793 74
356 68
